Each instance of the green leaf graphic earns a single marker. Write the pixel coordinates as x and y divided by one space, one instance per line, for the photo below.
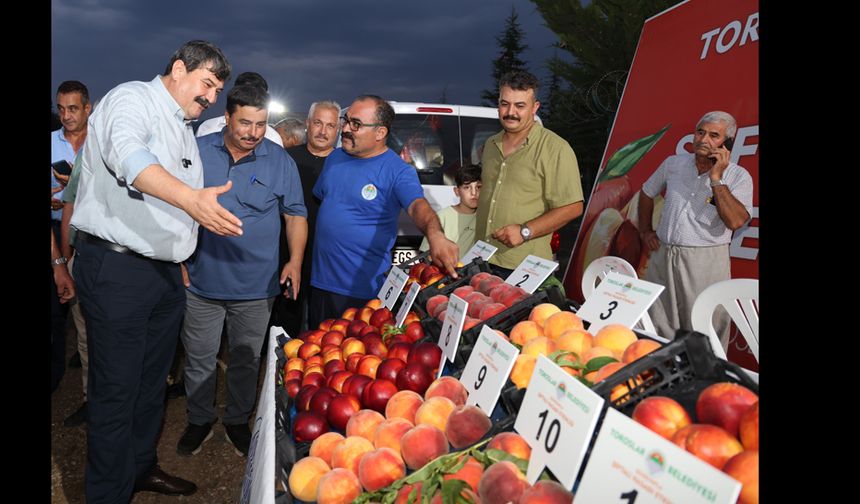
626 157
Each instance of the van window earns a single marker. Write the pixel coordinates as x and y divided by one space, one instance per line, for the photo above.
431 143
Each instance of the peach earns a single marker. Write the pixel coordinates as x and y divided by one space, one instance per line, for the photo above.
291 348
615 337
663 415
559 322
521 374
374 303
295 363
524 331
368 364
487 284
351 346
477 304
512 443
332 338
490 310
595 351
325 325
380 468
374 345
471 473
607 370
466 425
348 453
340 325
421 444
315 336
744 468
547 492
748 428
324 445
477 279
710 443
349 313
639 349
336 380
305 477
339 486
313 360
543 311
364 314
539 346
434 302
450 387
577 341
435 411
364 423
352 362
335 354
409 494
340 409
404 404
463 291
722 404
333 366
501 483
389 433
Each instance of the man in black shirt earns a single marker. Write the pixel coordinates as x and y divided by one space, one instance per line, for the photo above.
323 128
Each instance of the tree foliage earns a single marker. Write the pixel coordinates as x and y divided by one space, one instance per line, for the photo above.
511 45
601 37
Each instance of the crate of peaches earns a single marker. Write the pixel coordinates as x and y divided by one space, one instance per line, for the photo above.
706 405
408 453
422 271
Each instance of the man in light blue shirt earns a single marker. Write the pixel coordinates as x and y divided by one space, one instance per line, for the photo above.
139 202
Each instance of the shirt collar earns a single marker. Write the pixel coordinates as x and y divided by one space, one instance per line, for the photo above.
61 136
170 101
534 133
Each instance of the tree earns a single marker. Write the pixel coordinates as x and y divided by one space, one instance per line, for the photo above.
511 45
602 39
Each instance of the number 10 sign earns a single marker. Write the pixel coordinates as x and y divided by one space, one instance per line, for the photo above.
557 418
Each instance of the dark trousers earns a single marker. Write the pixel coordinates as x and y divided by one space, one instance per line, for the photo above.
324 304
134 312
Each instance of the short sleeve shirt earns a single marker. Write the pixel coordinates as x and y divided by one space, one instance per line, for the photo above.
689 217
540 175
357 221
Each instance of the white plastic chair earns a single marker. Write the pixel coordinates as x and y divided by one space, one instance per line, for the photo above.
739 296
599 268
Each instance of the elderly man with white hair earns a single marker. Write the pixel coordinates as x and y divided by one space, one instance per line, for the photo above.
707 197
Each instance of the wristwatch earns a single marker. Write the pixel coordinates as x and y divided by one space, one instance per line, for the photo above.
718 183
525 232
58 261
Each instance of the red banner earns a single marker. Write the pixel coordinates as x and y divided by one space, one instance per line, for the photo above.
698 56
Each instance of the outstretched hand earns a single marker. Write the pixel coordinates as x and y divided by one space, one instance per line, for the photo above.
206 210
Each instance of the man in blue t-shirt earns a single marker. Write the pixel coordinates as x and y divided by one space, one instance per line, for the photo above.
363 186
236 277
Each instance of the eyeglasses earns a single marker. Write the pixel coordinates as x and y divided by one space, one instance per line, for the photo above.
355 124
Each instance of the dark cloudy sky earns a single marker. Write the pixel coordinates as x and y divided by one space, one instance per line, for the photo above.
306 49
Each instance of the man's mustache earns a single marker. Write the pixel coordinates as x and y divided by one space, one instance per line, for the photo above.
511 118
202 101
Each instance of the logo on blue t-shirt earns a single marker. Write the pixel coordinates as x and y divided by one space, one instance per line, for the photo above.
369 192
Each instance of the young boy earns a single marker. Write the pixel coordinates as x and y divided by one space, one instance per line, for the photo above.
458 221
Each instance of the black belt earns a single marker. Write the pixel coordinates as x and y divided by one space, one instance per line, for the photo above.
95 240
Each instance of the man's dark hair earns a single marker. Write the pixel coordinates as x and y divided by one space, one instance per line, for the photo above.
245 96
467 174
197 53
520 80
73 86
384 111
252 79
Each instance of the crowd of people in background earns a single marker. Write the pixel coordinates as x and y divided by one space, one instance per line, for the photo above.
182 237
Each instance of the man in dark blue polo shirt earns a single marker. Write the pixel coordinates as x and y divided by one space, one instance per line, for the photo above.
362 187
236 278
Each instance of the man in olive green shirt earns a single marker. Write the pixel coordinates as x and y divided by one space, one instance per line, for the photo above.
531 179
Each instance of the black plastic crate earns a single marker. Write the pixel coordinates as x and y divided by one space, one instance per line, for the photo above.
680 370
